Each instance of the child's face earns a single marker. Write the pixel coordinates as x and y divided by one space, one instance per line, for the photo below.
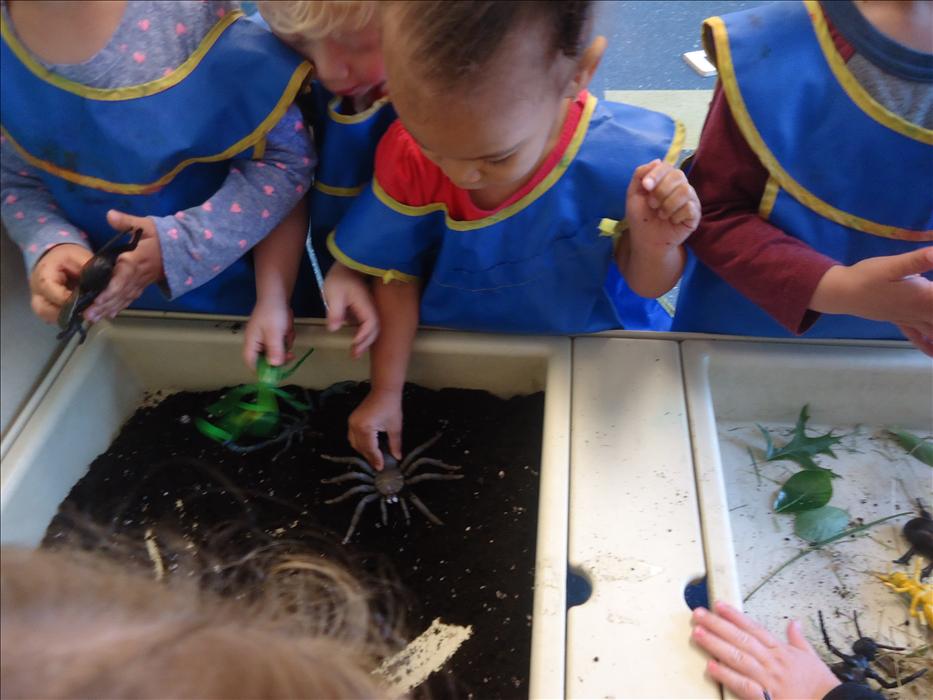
347 63
491 136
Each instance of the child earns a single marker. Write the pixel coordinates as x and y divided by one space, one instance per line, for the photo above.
814 170
348 111
157 115
77 626
489 195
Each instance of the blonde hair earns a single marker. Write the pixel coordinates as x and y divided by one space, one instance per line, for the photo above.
77 625
314 20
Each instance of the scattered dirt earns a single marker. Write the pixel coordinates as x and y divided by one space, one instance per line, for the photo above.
160 474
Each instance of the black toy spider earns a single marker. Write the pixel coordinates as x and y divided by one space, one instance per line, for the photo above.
93 278
856 667
919 533
389 484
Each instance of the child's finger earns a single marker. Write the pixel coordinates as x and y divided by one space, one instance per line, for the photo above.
275 349
669 180
916 262
658 171
741 686
677 199
252 346
687 213
395 442
45 310
366 442
746 624
336 312
922 342
721 645
366 335
637 182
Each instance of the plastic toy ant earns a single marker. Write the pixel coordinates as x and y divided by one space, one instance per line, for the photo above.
919 533
857 666
93 278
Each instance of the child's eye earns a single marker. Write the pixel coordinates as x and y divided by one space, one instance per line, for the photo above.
500 161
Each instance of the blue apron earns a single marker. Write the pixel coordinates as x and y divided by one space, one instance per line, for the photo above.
346 148
541 265
155 148
845 174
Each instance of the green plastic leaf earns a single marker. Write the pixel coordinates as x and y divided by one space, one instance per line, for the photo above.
914 444
820 524
801 448
806 490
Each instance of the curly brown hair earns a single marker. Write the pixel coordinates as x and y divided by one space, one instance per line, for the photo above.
449 40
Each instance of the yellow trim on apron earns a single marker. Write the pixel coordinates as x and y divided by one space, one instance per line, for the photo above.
385 275
854 90
128 92
337 191
782 178
552 177
768 198
259 133
259 150
353 118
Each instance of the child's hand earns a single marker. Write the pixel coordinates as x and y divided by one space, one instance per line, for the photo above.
134 270
346 290
661 207
271 331
53 278
748 660
885 288
380 412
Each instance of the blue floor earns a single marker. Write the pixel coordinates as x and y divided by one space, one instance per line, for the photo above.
646 41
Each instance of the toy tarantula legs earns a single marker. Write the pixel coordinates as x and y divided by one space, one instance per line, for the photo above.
385 512
362 488
433 477
829 644
355 461
419 504
417 451
428 461
889 685
360 507
349 476
405 511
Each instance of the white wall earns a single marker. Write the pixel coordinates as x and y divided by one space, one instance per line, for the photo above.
27 345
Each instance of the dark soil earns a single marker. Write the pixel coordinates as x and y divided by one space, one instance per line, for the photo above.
476 569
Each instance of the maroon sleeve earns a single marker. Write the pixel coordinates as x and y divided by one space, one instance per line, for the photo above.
774 270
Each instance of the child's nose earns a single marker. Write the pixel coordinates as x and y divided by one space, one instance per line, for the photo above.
330 69
463 174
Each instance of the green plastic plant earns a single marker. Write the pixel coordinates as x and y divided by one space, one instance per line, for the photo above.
252 411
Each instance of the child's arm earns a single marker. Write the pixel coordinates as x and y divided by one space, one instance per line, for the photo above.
887 288
381 411
347 291
53 248
276 260
196 244
662 210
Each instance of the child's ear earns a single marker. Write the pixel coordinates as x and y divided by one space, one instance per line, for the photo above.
586 66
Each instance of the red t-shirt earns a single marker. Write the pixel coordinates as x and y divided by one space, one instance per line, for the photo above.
409 177
776 271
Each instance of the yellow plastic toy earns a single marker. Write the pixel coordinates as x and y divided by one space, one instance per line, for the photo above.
921 594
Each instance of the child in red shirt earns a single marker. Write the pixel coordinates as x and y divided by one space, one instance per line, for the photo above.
488 204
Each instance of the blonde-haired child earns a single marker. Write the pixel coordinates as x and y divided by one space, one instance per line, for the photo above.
348 112
77 625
